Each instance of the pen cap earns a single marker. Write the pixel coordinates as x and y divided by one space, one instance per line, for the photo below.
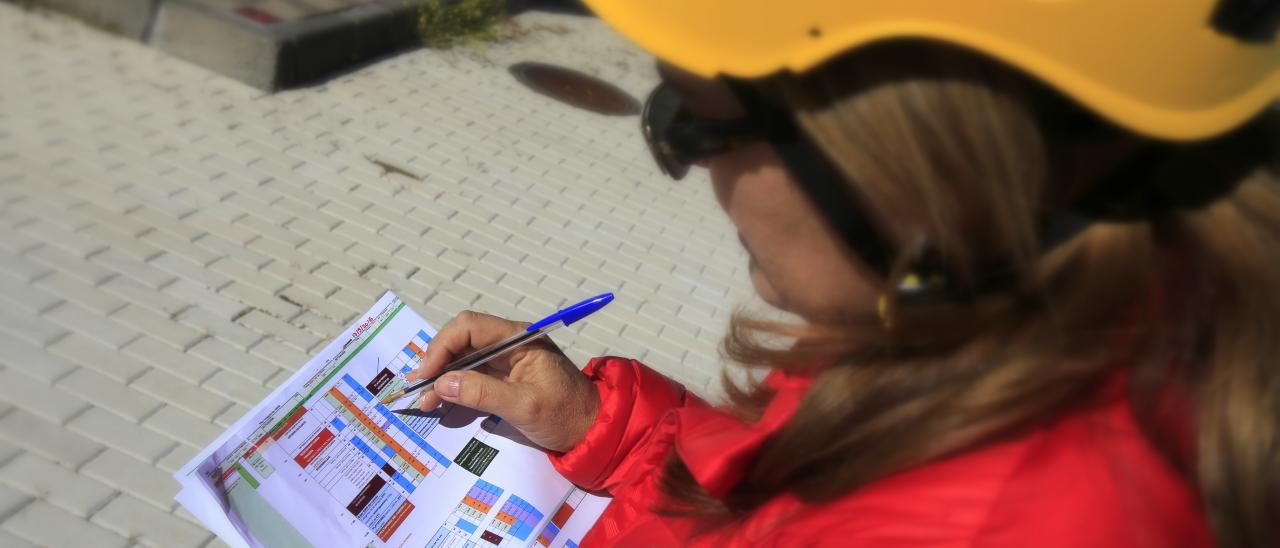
575 312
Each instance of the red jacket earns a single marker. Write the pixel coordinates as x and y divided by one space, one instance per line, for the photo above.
1089 479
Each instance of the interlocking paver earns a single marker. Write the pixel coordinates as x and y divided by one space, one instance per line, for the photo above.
235 387
223 329
175 459
240 297
10 501
32 360
27 393
147 350
126 473
62 487
43 524
109 429
58 259
47 439
26 296
204 296
231 415
188 269
138 293
182 426
177 240
160 326
216 351
133 267
79 319
106 393
176 391
17 265
131 518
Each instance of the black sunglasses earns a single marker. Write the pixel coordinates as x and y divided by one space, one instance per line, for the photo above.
678 139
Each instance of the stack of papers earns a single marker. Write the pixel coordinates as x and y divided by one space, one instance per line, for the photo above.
321 462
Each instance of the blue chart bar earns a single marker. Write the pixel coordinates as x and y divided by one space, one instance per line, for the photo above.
374 457
388 451
409 353
378 461
395 419
403 482
526 516
364 392
423 335
437 540
570 544
338 425
466 526
380 509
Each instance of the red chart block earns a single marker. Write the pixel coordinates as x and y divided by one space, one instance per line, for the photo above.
314 448
293 419
562 515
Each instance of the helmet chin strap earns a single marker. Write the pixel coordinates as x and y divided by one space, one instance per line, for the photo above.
1158 180
1164 178
1248 20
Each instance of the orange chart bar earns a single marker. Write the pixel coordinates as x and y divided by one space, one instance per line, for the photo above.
373 427
417 351
395 521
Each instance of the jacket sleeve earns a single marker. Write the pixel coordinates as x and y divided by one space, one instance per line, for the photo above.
633 401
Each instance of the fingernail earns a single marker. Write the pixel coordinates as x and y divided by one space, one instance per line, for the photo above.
447 386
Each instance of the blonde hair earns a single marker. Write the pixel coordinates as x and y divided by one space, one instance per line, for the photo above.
953 148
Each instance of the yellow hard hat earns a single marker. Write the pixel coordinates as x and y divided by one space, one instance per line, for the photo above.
1172 69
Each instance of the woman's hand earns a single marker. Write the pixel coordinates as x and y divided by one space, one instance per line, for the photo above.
534 387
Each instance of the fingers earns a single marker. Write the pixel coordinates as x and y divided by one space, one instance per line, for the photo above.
464 333
429 400
484 393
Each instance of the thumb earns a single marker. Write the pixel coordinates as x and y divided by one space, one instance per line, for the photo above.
482 393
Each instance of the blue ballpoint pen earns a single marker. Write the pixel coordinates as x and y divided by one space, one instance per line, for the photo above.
480 357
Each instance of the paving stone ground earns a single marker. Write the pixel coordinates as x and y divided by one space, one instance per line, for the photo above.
174 244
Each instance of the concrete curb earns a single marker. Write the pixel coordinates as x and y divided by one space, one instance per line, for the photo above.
256 48
273 55
130 18
260 49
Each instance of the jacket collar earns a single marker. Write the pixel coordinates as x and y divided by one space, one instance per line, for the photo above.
719 448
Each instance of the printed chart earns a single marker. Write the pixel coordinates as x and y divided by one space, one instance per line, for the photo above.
460 527
323 462
517 518
560 518
572 519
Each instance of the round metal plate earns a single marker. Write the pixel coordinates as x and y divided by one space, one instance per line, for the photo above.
575 88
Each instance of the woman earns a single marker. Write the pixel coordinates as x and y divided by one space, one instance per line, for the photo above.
1035 252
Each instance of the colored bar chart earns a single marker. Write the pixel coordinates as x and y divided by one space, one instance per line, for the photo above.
560 517
467 516
476 505
381 509
415 349
516 518
377 432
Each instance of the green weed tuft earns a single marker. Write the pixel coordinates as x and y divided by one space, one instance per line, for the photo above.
448 23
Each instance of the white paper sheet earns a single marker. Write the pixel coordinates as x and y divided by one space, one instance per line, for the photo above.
321 462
